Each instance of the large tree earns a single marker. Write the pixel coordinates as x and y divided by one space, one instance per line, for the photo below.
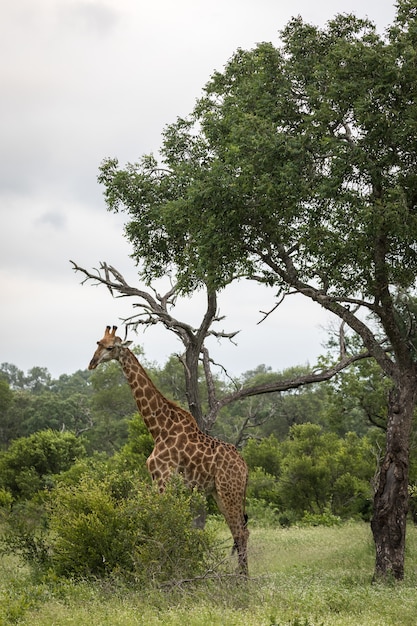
298 168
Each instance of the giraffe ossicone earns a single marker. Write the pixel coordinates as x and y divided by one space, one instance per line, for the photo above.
207 463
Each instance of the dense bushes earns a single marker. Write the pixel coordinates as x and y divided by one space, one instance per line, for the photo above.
97 516
311 473
120 525
82 506
116 525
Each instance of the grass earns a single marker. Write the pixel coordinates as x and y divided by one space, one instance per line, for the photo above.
299 577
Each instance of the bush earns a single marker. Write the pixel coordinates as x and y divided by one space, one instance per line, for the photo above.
326 518
265 454
263 486
262 513
311 471
25 532
118 526
6 499
27 466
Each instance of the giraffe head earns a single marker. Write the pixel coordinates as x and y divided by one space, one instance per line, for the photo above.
108 348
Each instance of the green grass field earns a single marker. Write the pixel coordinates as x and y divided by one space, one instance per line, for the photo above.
299 577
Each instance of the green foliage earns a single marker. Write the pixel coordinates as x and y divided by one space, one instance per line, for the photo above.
321 471
37 403
96 467
112 404
272 413
46 409
288 146
170 380
37 379
30 462
5 395
265 454
139 446
25 533
6 499
307 472
357 399
7 425
326 518
263 487
115 526
311 475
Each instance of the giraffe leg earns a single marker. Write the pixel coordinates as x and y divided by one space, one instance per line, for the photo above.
236 519
241 545
235 547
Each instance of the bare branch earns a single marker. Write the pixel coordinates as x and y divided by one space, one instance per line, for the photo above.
153 309
223 335
286 270
290 383
252 420
348 134
342 340
274 308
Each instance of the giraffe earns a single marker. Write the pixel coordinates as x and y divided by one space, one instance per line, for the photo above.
209 464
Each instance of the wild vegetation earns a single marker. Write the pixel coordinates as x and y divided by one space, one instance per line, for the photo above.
298 171
301 576
83 531
324 439
305 465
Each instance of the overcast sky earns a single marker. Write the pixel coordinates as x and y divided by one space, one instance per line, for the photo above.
86 80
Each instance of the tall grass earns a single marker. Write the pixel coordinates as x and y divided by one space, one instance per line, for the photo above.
307 576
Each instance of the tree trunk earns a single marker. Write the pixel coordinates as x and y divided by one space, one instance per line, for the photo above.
391 495
192 354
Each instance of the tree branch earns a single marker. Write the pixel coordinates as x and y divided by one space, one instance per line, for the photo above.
287 271
154 309
286 385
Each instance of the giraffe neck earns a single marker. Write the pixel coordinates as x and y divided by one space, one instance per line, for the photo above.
158 413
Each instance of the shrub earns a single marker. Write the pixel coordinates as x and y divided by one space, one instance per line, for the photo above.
119 526
263 486
322 472
6 499
262 513
113 526
326 518
28 464
25 532
265 454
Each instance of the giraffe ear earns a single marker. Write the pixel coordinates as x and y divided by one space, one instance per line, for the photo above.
125 344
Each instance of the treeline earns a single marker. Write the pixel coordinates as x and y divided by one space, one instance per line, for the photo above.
98 405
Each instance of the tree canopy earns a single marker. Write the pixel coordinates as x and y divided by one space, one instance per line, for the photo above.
301 155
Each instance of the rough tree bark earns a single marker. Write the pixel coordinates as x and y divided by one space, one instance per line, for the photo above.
391 493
